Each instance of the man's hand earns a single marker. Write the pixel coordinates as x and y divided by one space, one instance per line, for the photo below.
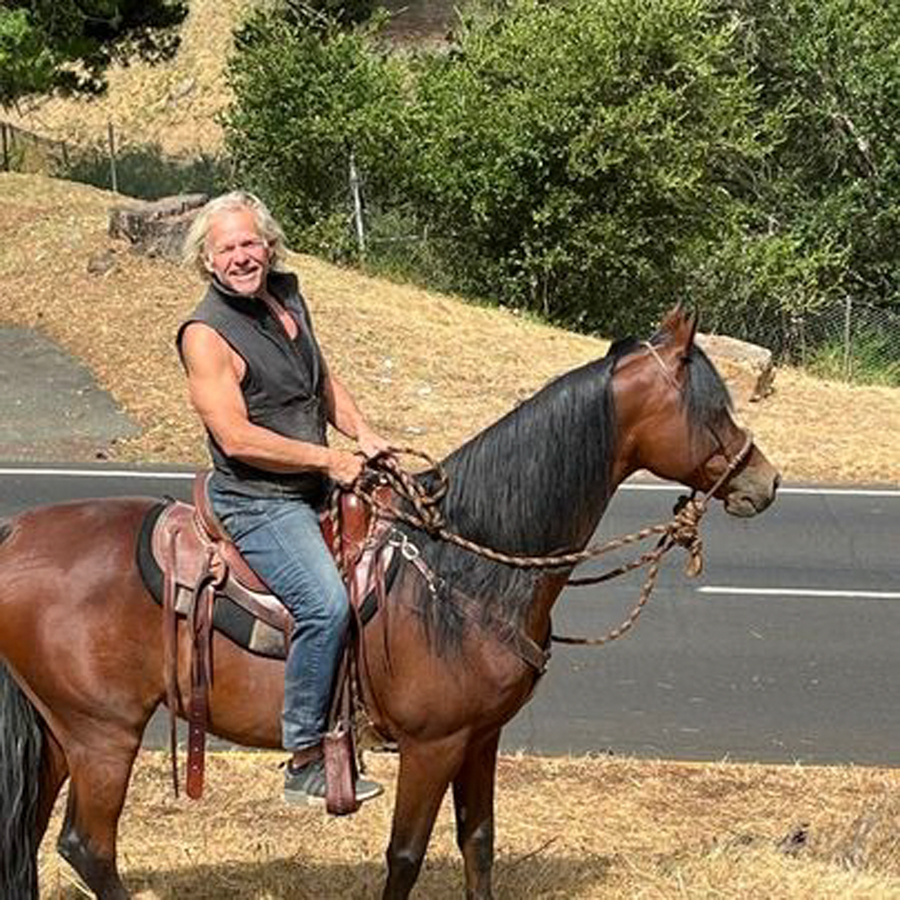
371 443
344 467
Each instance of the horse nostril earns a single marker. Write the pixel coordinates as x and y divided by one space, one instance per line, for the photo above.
776 483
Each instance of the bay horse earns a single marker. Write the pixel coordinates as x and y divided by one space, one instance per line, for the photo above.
82 640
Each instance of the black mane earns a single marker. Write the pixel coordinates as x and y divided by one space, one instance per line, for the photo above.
531 482
511 488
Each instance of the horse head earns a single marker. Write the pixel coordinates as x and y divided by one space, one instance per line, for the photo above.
677 422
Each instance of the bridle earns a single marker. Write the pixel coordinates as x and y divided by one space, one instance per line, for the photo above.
732 464
425 515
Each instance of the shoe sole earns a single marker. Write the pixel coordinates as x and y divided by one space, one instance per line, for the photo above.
300 798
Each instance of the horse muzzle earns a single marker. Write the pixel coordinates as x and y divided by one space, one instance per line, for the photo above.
749 494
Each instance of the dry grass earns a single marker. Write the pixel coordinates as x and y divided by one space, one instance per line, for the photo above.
174 104
567 828
427 369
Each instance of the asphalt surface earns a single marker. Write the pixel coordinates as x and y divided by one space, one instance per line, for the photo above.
785 650
50 406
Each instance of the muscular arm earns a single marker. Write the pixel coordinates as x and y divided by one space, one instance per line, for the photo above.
214 373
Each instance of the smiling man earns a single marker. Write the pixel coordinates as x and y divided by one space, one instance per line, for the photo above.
259 382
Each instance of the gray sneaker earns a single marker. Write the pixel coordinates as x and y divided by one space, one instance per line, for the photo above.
306 785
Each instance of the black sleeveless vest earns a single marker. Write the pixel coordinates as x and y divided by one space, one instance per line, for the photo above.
283 386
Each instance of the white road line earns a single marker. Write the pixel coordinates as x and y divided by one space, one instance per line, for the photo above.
830 492
630 486
799 592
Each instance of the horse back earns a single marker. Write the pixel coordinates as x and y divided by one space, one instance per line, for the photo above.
69 567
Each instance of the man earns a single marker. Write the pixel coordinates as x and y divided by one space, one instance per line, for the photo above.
259 382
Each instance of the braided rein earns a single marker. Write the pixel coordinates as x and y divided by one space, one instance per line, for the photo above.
683 530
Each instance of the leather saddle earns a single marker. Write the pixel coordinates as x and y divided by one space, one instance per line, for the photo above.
205 580
192 549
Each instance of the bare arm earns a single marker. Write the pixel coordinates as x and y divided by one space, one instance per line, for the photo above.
214 372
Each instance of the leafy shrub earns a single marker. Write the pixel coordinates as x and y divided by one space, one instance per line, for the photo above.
307 95
572 148
594 160
871 360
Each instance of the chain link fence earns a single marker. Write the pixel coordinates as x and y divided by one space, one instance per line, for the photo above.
23 151
112 161
849 341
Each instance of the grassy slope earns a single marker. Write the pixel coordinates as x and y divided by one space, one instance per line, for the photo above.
428 369
174 105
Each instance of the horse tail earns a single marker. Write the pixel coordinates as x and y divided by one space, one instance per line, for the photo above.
20 763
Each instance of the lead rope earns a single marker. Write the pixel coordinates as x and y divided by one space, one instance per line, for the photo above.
682 531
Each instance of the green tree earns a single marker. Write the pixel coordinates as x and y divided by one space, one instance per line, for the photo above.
595 160
821 218
574 149
66 46
300 113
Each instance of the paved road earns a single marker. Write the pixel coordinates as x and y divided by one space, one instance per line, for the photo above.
785 650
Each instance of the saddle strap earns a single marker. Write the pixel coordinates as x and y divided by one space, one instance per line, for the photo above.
201 615
170 650
338 748
337 743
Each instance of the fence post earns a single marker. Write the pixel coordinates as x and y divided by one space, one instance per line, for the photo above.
357 206
112 157
847 312
3 132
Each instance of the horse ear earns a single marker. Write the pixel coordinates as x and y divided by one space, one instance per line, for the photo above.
673 320
681 325
693 319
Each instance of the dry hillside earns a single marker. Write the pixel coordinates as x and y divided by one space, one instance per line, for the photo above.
175 105
429 370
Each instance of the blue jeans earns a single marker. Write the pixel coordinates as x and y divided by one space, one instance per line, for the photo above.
281 541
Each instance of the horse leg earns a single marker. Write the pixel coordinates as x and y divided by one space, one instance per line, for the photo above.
426 770
473 800
99 780
54 772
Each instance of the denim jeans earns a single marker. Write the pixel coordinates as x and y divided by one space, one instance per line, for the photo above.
281 541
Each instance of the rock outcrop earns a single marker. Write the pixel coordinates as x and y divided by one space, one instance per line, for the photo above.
748 369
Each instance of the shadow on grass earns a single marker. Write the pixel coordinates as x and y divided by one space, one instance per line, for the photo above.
297 878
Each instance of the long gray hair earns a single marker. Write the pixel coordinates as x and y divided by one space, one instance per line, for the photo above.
195 250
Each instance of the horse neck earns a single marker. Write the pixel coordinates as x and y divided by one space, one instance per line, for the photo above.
554 496
587 515
536 483
549 587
